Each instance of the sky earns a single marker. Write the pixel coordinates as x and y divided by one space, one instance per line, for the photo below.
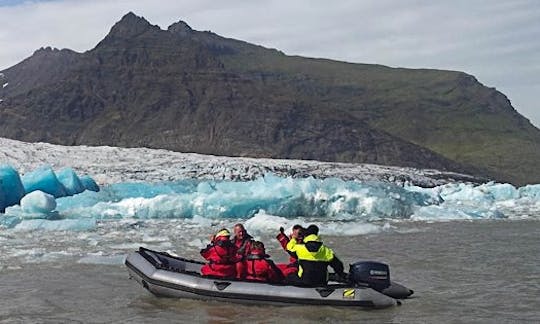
497 41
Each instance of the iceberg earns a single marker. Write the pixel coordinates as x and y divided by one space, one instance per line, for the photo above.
285 197
38 202
9 221
11 187
83 224
530 191
41 187
2 199
44 179
347 207
448 212
71 182
89 183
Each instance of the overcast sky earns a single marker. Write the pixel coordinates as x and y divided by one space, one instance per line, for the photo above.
497 41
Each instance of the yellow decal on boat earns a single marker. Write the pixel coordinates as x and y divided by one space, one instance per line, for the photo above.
348 293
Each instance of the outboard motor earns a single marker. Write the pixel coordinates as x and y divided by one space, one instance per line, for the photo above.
374 274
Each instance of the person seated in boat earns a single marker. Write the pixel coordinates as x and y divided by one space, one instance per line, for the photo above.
242 240
287 242
313 260
221 255
258 265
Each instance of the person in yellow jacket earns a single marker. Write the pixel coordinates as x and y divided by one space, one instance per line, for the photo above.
313 260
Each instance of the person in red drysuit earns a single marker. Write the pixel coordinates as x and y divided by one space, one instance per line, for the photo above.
242 241
221 255
287 242
259 267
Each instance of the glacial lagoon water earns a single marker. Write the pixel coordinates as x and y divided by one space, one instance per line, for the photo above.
469 252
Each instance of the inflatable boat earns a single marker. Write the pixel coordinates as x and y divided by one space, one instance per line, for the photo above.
169 276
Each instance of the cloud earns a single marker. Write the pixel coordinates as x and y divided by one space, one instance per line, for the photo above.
495 40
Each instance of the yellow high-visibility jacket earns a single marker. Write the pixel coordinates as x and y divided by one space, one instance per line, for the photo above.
313 260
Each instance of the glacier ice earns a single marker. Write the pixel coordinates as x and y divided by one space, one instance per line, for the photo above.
44 179
347 207
263 223
38 202
71 182
65 183
89 183
9 221
11 186
530 191
41 187
2 199
84 224
284 197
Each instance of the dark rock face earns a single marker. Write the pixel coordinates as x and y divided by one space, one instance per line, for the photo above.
193 91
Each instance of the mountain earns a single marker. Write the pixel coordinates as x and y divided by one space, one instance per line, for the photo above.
193 91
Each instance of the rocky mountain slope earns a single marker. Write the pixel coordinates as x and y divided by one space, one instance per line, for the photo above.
192 91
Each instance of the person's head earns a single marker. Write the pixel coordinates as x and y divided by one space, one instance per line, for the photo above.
257 248
239 231
312 229
222 234
297 231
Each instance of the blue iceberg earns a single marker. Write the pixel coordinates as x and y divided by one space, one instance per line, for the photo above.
285 197
42 188
11 187
276 200
89 183
530 191
71 182
44 179
2 199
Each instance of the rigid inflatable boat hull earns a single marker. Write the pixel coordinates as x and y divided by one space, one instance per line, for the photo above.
167 276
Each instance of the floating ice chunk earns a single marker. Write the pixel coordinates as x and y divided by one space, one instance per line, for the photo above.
206 188
284 197
89 183
499 191
352 228
69 179
201 221
43 179
9 221
433 193
38 202
447 212
162 206
2 199
5 85
83 224
196 243
467 194
483 196
11 185
530 191
263 223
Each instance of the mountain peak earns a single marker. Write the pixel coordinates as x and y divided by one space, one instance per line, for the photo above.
130 25
180 27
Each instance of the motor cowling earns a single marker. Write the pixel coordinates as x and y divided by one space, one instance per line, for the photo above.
375 274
